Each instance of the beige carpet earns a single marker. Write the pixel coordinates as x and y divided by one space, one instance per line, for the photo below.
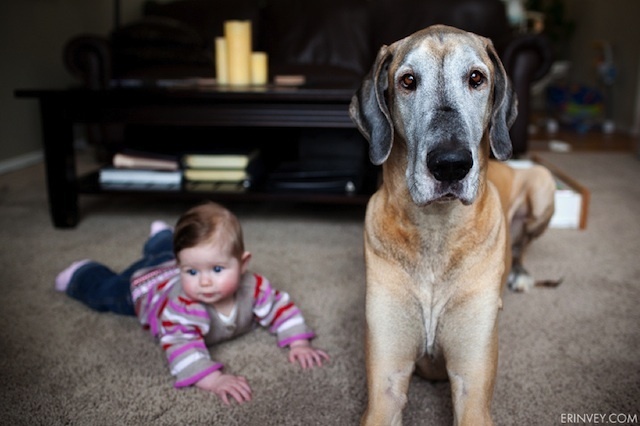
570 351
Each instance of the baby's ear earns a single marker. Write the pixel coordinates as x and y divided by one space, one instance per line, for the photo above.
244 260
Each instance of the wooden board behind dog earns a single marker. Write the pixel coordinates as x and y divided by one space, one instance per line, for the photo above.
436 238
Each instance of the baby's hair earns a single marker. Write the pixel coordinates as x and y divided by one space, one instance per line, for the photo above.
206 222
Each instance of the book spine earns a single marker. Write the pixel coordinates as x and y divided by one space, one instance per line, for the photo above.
216 175
130 162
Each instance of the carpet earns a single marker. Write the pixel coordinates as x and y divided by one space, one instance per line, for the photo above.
567 355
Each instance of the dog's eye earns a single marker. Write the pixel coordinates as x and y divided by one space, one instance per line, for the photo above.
408 81
476 78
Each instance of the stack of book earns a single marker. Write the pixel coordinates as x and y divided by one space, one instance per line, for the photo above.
221 172
142 171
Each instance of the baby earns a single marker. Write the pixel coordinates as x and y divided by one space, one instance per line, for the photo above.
192 289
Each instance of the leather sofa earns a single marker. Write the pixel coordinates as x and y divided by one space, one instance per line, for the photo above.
328 41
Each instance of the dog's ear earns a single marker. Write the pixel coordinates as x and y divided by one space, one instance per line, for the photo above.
369 111
505 108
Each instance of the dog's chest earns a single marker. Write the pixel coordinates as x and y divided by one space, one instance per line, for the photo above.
435 277
433 288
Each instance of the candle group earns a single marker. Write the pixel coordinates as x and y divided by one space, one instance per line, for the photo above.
236 64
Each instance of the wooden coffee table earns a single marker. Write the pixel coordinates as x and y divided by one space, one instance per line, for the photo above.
271 106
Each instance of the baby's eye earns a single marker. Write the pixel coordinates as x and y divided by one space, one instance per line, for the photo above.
217 269
192 272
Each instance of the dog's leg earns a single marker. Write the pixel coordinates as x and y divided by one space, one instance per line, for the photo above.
531 211
392 345
472 356
519 278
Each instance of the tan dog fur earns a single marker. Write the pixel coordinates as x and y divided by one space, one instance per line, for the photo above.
437 250
527 196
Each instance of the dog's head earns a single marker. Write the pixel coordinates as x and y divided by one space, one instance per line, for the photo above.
441 92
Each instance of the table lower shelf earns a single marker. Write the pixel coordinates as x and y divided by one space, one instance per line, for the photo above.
89 184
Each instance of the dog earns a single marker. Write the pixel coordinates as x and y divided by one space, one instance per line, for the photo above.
438 234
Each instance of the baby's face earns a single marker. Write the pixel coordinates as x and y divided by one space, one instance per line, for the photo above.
210 274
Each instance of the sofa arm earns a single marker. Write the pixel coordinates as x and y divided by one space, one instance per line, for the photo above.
526 58
537 45
88 58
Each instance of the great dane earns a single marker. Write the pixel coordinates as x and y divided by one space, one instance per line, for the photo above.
437 232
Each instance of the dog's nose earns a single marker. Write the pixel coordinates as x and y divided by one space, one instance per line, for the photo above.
449 164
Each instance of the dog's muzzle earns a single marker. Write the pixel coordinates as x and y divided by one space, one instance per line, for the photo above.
448 165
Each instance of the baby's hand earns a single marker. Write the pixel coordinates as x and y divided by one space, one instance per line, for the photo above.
307 356
225 386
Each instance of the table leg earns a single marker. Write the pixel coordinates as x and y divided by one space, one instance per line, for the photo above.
60 163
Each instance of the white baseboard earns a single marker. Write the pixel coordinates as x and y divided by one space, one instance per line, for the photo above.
20 161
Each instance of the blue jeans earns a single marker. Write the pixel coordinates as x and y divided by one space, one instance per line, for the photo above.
101 289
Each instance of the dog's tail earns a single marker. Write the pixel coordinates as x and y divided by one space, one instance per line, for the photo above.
549 283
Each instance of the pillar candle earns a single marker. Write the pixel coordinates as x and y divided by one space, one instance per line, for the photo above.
222 66
238 36
259 67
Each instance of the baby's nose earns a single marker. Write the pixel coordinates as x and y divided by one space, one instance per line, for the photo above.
206 280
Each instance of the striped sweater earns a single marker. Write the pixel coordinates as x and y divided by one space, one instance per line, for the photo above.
186 328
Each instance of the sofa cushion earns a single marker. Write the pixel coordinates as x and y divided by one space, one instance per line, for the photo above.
484 17
154 43
206 17
324 40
